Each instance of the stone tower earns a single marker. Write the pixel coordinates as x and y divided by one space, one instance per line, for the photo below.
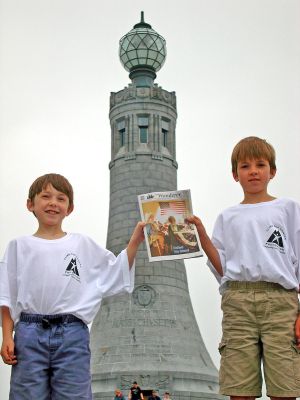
150 336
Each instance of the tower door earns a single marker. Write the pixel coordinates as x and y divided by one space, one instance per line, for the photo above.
147 393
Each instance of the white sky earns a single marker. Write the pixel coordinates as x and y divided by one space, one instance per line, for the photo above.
234 65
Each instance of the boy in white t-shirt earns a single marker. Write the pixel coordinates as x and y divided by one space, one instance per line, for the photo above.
255 253
51 287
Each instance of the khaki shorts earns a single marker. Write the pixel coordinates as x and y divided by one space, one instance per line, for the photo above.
258 327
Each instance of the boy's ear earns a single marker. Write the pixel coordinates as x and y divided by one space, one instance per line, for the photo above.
70 209
273 172
29 205
235 176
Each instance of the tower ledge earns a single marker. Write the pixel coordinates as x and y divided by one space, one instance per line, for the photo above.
131 92
133 155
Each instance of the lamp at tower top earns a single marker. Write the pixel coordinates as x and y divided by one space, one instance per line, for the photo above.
142 52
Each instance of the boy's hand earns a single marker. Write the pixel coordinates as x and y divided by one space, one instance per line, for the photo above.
136 239
198 223
138 236
8 352
297 331
206 243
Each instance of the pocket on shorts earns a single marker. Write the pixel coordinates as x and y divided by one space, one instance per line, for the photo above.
222 370
226 297
222 347
296 361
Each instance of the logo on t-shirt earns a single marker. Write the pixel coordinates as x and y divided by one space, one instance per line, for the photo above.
73 265
276 238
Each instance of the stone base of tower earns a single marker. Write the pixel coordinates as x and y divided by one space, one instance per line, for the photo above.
151 336
181 386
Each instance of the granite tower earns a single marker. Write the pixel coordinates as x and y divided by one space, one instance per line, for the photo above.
150 336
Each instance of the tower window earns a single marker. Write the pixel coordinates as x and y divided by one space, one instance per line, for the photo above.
143 129
164 137
164 131
143 134
122 137
122 133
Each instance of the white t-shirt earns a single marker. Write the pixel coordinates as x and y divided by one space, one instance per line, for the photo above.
259 242
69 275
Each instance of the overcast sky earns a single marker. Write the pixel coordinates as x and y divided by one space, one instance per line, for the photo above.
234 65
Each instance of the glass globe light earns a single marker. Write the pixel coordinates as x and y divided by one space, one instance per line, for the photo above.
142 47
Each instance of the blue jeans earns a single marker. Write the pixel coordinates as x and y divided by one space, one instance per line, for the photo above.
53 362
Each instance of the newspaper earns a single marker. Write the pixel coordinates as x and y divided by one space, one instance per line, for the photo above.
167 235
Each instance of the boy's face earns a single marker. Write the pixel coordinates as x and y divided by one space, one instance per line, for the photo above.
50 207
254 175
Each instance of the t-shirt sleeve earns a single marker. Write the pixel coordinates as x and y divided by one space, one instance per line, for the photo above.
8 279
294 232
4 288
115 276
218 241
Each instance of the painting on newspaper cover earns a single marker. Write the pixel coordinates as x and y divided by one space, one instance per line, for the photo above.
167 235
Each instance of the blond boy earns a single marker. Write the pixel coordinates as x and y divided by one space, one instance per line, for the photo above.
255 253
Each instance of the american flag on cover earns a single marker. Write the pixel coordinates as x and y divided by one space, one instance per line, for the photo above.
172 207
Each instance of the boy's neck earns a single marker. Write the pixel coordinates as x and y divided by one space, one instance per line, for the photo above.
257 198
49 234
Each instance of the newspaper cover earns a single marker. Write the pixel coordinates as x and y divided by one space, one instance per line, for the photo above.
167 235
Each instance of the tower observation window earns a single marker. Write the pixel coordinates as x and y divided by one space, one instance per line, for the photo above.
164 131
143 129
165 137
122 133
122 137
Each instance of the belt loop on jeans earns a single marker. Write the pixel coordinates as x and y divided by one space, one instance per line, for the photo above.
259 285
48 320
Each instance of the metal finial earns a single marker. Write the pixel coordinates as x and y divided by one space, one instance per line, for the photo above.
142 24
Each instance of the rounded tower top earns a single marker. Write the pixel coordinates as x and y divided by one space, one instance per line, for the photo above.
142 52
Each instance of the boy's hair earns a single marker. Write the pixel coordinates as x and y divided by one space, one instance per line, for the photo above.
251 148
59 182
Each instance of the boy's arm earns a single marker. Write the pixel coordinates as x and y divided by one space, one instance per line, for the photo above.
8 345
207 245
136 239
